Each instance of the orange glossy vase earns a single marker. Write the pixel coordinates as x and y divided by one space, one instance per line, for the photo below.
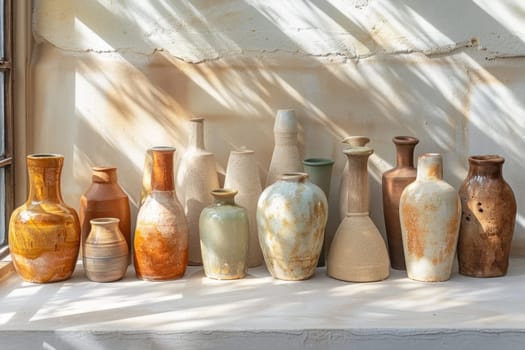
161 236
44 233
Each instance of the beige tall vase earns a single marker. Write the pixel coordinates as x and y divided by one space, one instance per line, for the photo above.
242 174
358 251
285 157
430 213
350 141
196 178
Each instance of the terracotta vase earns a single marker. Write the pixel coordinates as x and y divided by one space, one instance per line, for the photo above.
161 236
196 178
105 199
358 252
487 220
319 171
350 141
394 182
224 232
430 212
291 218
105 250
285 156
242 174
44 233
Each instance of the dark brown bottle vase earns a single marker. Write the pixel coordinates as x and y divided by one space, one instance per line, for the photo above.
394 182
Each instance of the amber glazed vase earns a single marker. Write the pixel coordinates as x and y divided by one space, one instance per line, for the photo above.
161 235
394 182
44 233
104 199
487 220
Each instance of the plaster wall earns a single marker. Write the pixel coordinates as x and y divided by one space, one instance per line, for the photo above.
110 79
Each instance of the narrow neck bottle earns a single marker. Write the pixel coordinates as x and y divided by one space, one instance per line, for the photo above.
104 175
358 194
429 167
196 140
44 177
162 169
224 196
405 151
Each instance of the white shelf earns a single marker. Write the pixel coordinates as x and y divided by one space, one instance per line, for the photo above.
260 312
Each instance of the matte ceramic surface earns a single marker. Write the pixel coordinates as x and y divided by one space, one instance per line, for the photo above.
242 174
161 236
224 233
44 233
394 182
291 217
430 212
285 156
358 252
196 178
488 219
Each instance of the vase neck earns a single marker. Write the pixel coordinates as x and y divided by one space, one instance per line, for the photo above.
489 166
162 169
224 196
106 229
358 194
405 146
196 140
44 177
429 167
104 175
286 138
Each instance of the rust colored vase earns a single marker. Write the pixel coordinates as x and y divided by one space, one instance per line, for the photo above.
105 251
394 182
104 199
487 220
161 236
44 233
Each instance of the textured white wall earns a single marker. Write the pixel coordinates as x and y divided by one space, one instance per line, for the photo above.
112 78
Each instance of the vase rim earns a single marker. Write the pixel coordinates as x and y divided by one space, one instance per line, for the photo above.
405 140
349 139
318 161
103 168
358 150
44 156
223 192
243 151
294 176
197 120
104 221
163 149
430 155
486 159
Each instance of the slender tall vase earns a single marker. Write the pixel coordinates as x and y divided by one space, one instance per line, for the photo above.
350 141
488 219
161 235
430 212
105 199
291 216
320 172
285 157
224 235
44 233
394 182
242 174
196 178
358 252
105 251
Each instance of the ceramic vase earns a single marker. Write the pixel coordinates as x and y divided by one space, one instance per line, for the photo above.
44 233
430 211
285 156
242 174
291 219
196 178
105 251
105 199
358 252
319 171
350 141
224 233
394 182
487 220
161 235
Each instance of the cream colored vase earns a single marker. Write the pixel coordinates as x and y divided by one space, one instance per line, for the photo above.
196 178
350 141
291 218
358 251
242 175
285 157
430 212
